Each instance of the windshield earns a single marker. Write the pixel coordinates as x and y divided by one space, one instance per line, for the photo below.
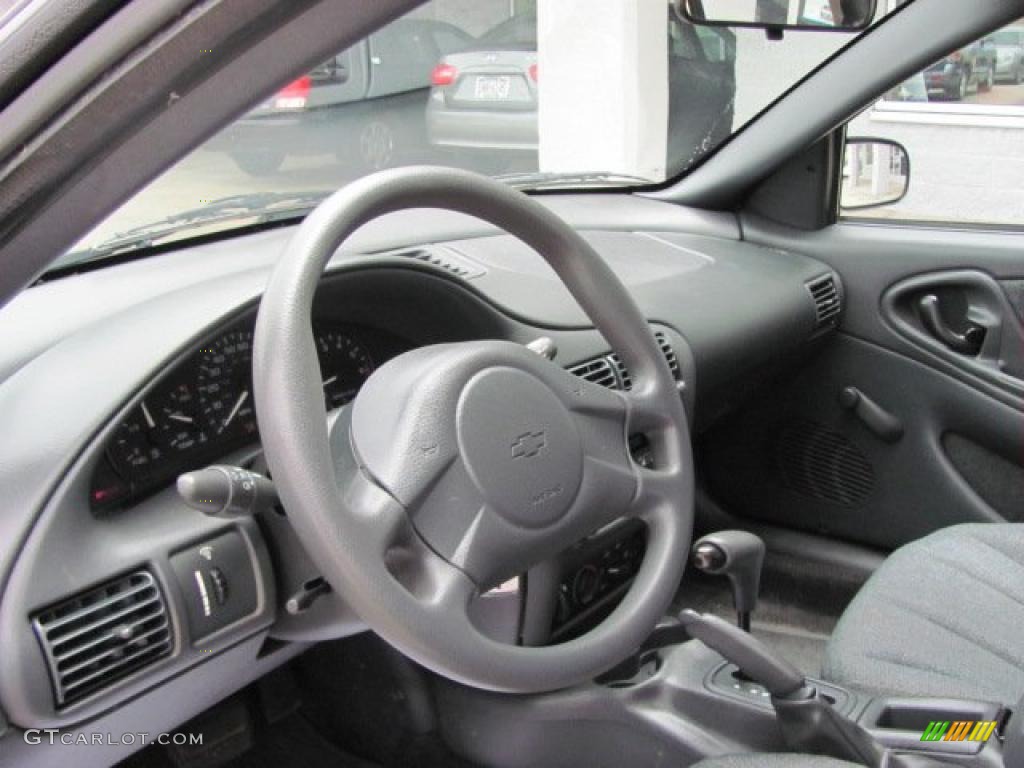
540 93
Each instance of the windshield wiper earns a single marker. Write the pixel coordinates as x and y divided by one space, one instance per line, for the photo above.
260 207
538 179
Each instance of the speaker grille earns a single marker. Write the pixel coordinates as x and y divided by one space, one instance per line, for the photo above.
817 462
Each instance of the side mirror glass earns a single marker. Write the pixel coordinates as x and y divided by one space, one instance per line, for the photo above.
876 172
778 15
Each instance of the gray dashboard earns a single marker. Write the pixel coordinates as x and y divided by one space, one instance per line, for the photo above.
81 351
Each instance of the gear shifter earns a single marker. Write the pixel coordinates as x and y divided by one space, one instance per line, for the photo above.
738 555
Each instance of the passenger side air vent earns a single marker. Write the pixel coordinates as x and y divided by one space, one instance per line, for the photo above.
101 635
827 304
609 371
446 259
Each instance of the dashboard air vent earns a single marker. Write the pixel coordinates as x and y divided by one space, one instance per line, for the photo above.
613 373
597 371
446 259
100 636
827 305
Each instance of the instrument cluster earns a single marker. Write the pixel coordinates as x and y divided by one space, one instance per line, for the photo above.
202 408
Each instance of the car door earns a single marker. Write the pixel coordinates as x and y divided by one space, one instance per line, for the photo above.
912 417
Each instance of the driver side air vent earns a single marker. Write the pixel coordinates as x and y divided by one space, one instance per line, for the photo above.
102 635
609 371
827 304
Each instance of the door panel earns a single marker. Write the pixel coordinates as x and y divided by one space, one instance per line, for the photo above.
933 434
965 318
871 258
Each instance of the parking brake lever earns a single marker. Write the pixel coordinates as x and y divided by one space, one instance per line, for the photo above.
780 678
808 722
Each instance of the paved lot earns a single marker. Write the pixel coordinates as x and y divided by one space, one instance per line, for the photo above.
210 174
1001 95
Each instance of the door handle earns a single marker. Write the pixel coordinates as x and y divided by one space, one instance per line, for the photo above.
966 343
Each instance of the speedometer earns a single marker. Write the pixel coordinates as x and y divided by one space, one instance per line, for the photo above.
224 386
345 365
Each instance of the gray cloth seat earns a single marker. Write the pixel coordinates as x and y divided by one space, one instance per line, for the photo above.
774 761
943 616
783 760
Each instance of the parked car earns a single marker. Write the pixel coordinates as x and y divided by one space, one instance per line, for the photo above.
485 97
364 105
971 68
1009 45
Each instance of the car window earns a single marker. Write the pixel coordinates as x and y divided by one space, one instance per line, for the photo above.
684 42
719 45
538 93
961 122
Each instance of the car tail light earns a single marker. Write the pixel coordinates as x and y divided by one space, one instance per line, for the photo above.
533 72
443 74
294 95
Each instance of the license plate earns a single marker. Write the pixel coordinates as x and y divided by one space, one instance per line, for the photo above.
492 88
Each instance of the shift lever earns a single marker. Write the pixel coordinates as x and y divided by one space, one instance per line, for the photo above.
738 555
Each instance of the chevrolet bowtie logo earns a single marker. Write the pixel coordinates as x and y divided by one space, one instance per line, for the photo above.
528 445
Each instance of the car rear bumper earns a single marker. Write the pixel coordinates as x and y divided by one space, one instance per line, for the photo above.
297 132
482 129
941 81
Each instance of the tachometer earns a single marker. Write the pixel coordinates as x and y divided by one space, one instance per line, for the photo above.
224 386
345 365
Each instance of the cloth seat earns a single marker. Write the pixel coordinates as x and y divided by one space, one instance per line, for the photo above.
943 616
780 760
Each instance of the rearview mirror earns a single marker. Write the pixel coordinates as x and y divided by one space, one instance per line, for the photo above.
777 15
876 172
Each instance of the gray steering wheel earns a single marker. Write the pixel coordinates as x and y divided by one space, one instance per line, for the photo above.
459 466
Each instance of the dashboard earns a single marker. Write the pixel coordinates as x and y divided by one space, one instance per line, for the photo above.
88 468
201 409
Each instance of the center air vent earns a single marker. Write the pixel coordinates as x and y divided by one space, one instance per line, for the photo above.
609 371
446 259
827 304
102 635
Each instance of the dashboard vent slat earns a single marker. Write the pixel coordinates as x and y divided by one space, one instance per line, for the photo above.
444 258
99 636
598 372
827 303
609 371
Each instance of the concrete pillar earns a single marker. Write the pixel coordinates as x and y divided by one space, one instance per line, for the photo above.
881 171
603 81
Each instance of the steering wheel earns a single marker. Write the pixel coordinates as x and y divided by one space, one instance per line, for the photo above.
459 466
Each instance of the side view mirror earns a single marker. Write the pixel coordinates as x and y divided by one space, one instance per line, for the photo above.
876 172
778 15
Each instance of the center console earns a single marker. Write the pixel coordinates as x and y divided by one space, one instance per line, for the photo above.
701 686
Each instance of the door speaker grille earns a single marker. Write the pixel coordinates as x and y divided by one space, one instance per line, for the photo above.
817 462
